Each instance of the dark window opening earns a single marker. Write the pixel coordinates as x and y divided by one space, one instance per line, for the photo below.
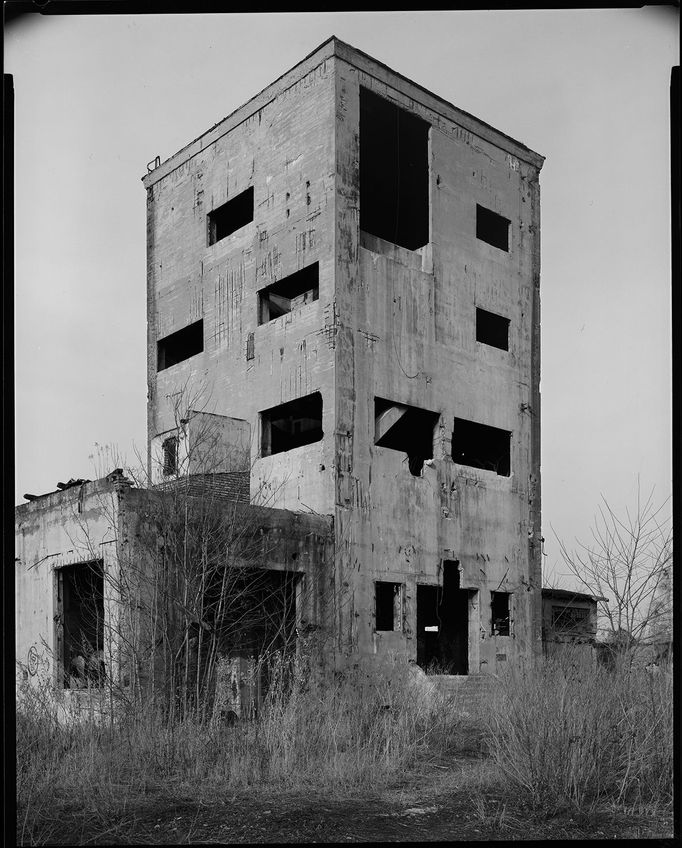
481 446
394 172
291 425
405 428
259 611
254 619
499 606
231 216
180 345
492 329
388 605
170 456
288 294
80 624
443 624
568 618
492 228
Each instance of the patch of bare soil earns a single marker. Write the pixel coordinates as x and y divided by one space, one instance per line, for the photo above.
439 803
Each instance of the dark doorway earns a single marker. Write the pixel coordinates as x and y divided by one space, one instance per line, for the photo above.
443 625
80 624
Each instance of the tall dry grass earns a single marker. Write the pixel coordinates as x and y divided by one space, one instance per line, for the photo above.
313 731
570 736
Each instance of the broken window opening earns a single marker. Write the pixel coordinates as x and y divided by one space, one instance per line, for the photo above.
180 345
394 172
291 425
170 456
80 624
288 294
443 624
492 329
499 606
405 428
565 619
481 446
492 228
255 619
231 216
388 605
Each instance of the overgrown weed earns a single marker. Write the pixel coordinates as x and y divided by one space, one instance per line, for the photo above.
566 735
314 731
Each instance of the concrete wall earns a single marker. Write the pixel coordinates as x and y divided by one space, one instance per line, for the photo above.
407 333
65 528
389 322
207 444
124 527
283 147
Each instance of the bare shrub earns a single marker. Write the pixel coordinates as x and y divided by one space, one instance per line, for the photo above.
583 737
627 566
314 730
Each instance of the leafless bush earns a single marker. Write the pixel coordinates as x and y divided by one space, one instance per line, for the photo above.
584 737
627 565
350 729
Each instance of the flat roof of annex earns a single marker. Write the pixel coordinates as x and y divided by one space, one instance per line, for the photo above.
333 47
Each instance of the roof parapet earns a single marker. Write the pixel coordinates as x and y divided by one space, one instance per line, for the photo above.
333 46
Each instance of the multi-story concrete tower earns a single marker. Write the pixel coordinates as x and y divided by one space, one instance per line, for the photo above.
348 265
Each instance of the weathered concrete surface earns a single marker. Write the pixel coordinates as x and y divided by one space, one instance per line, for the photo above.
407 332
390 322
123 527
75 526
284 149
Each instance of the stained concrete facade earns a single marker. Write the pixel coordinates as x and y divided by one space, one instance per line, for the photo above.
118 529
414 338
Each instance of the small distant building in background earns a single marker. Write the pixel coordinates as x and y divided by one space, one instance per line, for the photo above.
569 624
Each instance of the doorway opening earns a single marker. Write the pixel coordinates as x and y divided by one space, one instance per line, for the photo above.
443 624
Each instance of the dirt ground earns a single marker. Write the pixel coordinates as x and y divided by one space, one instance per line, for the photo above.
439 803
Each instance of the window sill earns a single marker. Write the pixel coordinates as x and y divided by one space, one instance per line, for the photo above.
420 259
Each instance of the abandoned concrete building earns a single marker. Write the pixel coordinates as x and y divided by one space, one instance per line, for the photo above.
343 281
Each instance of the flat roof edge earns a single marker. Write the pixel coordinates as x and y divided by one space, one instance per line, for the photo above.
468 121
242 113
333 46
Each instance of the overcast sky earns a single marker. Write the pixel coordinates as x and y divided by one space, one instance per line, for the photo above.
98 97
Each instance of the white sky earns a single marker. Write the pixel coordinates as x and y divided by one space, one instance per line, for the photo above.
97 97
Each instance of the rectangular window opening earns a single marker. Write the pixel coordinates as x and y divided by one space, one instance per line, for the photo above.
292 424
443 624
80 623
492 329
481 446
499 605
289 293
180 345
231 216
388 606
405 428
492 228
394 172
565 618
170 456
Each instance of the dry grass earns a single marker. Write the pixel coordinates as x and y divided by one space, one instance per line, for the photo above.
555 738
567 736
352 730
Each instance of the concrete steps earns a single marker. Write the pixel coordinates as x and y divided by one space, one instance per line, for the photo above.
468 692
